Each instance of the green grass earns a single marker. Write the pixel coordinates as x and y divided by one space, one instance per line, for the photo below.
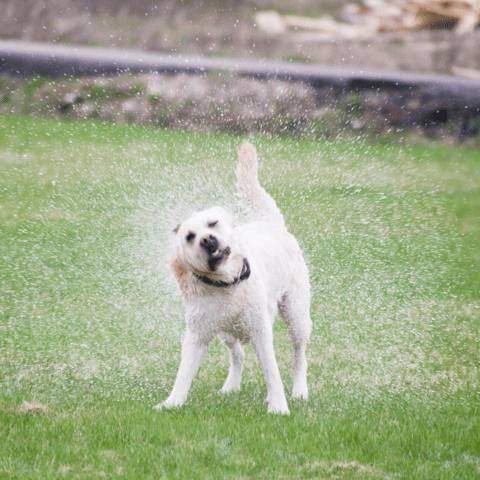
91 319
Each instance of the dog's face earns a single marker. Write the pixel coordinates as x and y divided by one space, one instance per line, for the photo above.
205 242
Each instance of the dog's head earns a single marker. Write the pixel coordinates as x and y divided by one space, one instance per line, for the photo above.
206 245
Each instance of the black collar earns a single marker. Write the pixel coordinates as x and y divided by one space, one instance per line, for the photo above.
244 274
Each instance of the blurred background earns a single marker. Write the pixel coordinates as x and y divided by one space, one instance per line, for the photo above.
399 36
406 35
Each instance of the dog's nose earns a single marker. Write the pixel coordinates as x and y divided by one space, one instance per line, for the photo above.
209 243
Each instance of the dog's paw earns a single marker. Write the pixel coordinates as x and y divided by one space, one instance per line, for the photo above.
229 389
167 404
300 392
278 409
232 384
278 406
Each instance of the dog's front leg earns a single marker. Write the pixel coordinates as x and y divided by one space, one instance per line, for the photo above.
193 352
262 342
237 357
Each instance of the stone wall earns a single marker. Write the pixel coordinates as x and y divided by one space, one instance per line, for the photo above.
217 102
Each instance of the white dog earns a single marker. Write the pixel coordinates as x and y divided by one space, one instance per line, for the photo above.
234 280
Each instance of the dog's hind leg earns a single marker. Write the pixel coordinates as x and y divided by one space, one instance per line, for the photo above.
237 357
262 342
294 309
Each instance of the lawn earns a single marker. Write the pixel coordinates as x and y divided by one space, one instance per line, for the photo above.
91 319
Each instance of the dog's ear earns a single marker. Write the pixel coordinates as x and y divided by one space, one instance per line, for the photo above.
181 273
176 229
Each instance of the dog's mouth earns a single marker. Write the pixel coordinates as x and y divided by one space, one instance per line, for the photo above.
214 252
216 257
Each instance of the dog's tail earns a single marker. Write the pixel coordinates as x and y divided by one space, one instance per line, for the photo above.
259 204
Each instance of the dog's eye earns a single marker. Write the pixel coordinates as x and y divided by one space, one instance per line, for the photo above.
212 224
190 237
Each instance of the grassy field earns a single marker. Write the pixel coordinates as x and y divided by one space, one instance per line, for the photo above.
91 319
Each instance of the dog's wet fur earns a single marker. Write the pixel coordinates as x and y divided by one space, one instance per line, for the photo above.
235 279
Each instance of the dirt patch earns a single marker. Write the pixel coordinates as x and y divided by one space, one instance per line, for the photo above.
33 409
